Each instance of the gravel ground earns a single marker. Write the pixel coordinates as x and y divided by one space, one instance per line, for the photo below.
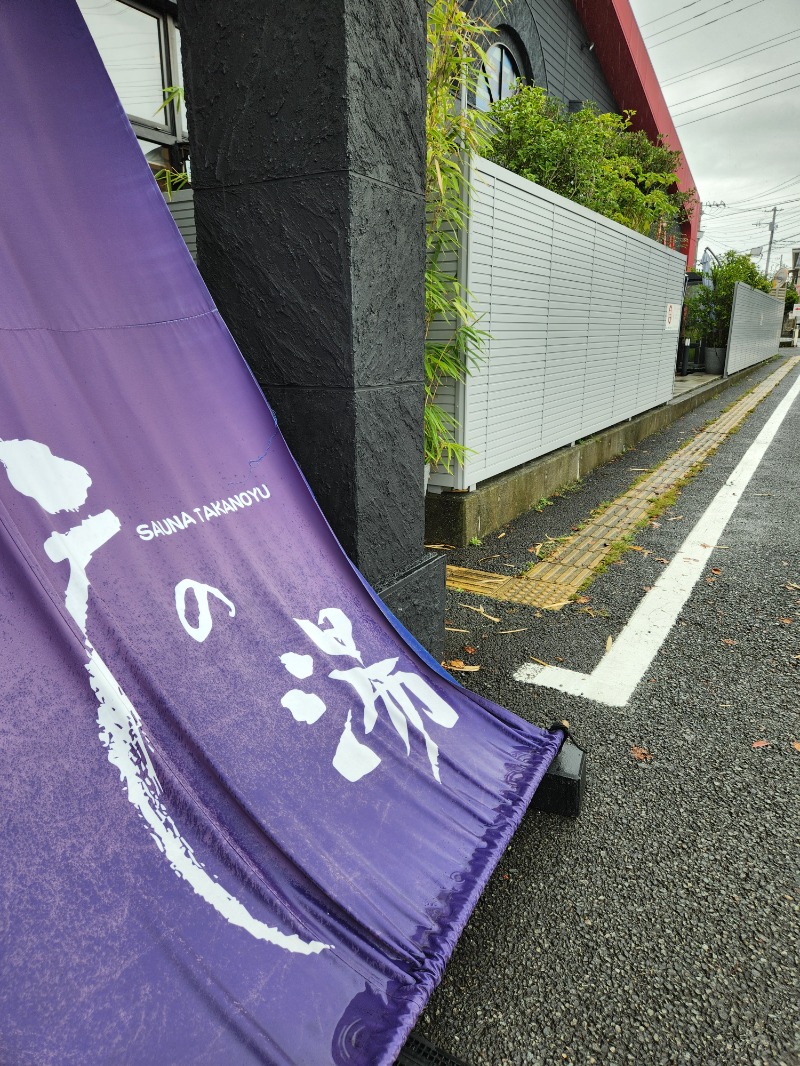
662 925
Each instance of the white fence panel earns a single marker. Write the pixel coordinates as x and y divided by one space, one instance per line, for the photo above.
755 332
576 308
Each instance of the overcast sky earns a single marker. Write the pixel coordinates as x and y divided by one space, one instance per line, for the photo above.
746 63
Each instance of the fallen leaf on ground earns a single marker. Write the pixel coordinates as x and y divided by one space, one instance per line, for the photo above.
535 549
644 551
486 558
609 642
559 659
459 667
792 587
641 754
654 525
504 632
660 560
761 744
715 570
479 610
469 649
786 621
500 535
677 518
442 547
796 745
582 599
727 640
452 629
541 662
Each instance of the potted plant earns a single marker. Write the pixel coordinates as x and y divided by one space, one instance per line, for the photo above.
709 310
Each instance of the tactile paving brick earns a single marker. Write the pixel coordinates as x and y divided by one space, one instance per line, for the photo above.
554 581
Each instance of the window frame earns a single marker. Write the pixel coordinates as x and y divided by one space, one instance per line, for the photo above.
506 40
170 133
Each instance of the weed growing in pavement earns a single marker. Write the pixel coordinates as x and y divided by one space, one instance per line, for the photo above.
616 550
475 542
543 502
551 544
595 612
601 507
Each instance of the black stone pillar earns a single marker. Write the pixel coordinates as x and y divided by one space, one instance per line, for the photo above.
307 149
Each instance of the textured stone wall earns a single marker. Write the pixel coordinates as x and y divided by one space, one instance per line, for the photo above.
307 147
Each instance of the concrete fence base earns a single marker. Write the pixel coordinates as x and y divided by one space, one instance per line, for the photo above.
456 517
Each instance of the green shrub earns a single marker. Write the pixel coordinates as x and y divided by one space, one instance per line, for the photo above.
595 159
708 311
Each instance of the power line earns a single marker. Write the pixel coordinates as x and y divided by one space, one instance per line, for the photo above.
787 218
738 107
733 96
741 224
739 230
741 81
694 29
750 210
743 53
699 15
660 18
766 192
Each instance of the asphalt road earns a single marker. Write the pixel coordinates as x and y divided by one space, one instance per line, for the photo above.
662 925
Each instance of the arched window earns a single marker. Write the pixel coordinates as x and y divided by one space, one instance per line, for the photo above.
499 76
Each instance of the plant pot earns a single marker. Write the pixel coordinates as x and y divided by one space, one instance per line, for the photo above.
715 360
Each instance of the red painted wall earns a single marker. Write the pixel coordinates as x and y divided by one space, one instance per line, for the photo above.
623 58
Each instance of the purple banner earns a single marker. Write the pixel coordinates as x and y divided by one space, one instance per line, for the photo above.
243 819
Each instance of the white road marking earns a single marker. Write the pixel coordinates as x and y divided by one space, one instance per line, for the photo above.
616 676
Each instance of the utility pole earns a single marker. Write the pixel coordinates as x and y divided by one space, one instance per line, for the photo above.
712 203
771 237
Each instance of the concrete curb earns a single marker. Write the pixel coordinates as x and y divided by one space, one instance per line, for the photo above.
456 517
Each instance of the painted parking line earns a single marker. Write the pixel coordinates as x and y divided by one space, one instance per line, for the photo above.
616 676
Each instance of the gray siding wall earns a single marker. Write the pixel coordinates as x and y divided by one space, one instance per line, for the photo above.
576 308
755 332
181 208
552 28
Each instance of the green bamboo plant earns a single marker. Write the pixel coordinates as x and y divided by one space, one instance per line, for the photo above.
169 179
454 132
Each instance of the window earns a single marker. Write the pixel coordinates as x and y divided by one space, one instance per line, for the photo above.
499 77
140 47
